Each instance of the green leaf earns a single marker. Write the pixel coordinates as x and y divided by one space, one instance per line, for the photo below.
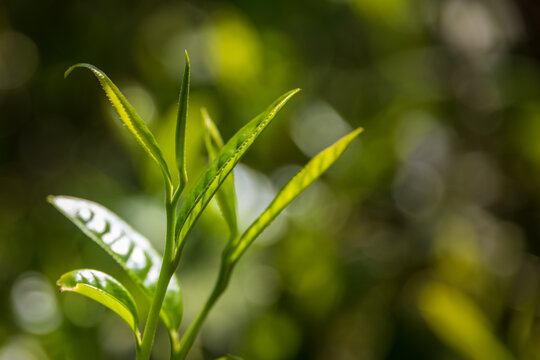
226 196
105 290
129 117
183 103
311 172
218 170
130 249
230 357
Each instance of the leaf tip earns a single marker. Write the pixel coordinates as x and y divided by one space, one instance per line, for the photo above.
63 286
187 57
63 289
358 131
290 94
205 117
71 68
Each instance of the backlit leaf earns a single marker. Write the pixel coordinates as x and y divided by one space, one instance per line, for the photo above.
305 177
225 196
130 249
129 117
107 291
218 170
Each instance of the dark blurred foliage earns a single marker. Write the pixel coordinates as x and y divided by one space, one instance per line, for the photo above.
420 243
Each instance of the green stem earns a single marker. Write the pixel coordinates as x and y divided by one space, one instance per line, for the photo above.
177 193
175 345
191 334
165 275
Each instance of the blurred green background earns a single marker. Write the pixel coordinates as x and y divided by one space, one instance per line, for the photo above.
420 243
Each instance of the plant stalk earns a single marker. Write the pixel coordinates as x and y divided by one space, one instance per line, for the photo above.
165 275
191 334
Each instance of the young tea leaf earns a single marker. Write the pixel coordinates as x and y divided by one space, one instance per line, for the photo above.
234 249
181 125
130 249
311 172
218 170
107 291
129 117
225 196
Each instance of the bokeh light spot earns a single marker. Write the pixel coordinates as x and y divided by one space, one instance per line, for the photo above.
316 126
234 49
22 348
418 189
18 59
34 304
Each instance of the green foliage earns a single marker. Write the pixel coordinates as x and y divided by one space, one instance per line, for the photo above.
105 290
155 274
226 197
305 177
131 250
224 162
180 139
129 117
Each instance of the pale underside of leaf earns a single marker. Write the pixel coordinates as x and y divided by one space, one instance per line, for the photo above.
131 250
218 170
305 177
225 196
107 291
129 117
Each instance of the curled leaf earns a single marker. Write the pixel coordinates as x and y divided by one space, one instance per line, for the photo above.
131 250
107 291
